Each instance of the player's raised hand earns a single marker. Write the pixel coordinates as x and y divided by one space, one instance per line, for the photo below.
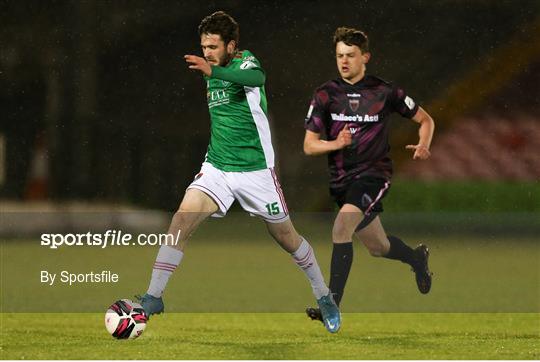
344 138
421 152
198 63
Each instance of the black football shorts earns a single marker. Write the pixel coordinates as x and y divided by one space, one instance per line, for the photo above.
365 193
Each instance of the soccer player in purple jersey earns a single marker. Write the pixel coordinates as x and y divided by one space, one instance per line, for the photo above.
353 112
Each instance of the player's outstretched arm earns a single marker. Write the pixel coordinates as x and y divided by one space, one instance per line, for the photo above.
313 145
425 133
253 77
198 63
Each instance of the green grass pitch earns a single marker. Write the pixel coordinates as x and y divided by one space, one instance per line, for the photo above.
238 296
277 336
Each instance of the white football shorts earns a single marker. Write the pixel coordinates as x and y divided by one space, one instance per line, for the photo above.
258 192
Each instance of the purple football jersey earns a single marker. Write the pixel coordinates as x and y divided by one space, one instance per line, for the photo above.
365 107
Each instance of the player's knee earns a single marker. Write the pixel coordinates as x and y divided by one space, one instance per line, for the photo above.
183 220
341 232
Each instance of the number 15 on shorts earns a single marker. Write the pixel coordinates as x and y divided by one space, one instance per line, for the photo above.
272 208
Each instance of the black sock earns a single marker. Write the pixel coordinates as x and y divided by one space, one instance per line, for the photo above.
342 257
400 251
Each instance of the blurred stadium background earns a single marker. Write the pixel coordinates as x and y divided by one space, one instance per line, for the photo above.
97 104
102 126
98 112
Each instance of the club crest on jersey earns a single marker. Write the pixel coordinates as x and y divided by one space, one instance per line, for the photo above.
354 100
354 103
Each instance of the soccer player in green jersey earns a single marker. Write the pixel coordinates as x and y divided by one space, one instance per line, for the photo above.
239 164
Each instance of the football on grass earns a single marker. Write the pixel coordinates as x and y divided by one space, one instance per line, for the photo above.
125 319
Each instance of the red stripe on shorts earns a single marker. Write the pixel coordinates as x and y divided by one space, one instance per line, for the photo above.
279 191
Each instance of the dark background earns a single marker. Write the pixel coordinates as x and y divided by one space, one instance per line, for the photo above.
101 88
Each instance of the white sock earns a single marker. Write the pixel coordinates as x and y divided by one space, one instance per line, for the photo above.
304 257
166 262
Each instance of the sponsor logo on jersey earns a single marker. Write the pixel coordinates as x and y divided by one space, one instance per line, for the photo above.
217 97
225 83
409 102
356 118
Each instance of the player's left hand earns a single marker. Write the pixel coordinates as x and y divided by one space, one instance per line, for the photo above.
198 63
421 152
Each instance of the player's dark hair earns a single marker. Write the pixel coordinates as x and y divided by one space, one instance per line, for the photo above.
222 24
351 36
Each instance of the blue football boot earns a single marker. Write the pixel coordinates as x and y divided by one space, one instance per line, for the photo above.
329 313
151 304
